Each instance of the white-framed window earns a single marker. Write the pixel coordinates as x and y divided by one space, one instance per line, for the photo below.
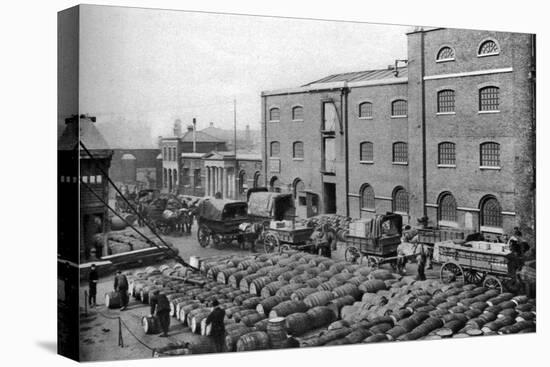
366 152
445 53
98 179
399 153
85 179
446 101
274 114
489 154
489 99
488 48
297 113
365 110
446 154
399 108
275 149
490 212
298 150
367 197
400 200
447 208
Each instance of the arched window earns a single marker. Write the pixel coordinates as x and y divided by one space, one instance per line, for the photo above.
447 208
446 101
491 212
366 152
298 113
489 154
258 179
299 186
488 99
165 177
399 153
275 184
298 150
365 110
243 185
487 48
446 154
445 54
399 108
367 197
275 149
400 200
274 114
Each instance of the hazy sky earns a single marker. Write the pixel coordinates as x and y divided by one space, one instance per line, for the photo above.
153 66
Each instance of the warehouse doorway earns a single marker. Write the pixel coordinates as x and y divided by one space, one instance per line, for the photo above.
329 198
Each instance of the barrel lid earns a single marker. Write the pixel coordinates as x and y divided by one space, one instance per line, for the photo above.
277 319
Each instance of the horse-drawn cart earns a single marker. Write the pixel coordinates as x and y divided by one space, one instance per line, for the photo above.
277 214
378 245
476 262
219 221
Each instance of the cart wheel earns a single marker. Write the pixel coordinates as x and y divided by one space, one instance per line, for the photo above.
451 272
217 240
493 282
203 236
473 276
271 243
352 254
372 262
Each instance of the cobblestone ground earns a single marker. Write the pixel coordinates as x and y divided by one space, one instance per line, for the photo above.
99 330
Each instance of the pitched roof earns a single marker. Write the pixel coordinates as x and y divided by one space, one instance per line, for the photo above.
360 76
85 130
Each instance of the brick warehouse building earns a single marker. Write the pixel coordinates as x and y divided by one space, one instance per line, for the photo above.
449 136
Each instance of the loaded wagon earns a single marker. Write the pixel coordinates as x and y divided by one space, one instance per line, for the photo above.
476 262
377 243
277 214
219 221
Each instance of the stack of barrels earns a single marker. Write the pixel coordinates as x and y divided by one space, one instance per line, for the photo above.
325 302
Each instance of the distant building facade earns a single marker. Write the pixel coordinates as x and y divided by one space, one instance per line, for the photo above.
450 137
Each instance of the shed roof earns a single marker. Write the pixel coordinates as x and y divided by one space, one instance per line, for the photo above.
361 76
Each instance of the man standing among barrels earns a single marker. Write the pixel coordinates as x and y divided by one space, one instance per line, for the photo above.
161 305
217 329
121 286
92 285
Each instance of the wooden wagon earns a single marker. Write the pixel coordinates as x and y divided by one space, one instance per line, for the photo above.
219 220
379 245
476 262
276 213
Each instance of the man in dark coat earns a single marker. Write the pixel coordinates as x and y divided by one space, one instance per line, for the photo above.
121 286
161 305
217 330
92 286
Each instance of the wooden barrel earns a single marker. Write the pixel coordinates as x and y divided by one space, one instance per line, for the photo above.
174 304
267 304
112 300
372 286
240 299
185 310
223 275
288 289
320 298
358 335
257 284
256 340
329 285
286 308
251 303
262 324
196 320
376 338
347 290
288 275
336 304
298 323
237 316
277 330
302 293
232 310
252 319
271 288
235 278
321 316
197 311
151 325
301 278
245 282
232 335
314 282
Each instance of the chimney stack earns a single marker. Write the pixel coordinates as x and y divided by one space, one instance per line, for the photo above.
177 128
211 124
194 127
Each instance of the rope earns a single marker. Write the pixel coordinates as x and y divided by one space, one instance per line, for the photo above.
120 324
131 206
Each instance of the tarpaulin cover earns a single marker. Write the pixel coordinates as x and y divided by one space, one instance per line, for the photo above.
271 205
213 209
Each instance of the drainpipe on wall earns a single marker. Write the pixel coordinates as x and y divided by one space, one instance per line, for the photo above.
344 104
423 115
265 139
